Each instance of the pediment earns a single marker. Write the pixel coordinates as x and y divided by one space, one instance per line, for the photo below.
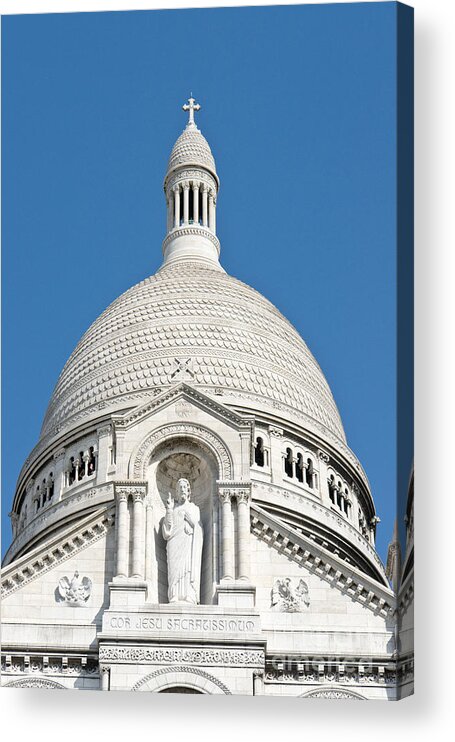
316 559
184 397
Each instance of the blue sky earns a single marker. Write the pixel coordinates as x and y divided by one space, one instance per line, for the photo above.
298 105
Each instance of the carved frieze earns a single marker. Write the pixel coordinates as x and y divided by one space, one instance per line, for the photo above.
170 655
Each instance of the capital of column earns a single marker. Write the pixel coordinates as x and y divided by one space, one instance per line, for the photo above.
243 496
135 490
186 186
225 495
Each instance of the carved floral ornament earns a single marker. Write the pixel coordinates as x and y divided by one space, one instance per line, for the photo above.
241 491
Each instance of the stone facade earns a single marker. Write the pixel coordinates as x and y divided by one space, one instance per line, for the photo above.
192 374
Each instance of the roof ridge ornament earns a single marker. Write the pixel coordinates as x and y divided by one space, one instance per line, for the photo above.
191 107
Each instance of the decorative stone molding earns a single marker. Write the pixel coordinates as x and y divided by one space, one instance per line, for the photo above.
190 655
192 676
324 456
187 394
51 664
201 435
322 513
276 432
192 230
303 551
330 693
35 683
104 430
328 672
128 488
63 547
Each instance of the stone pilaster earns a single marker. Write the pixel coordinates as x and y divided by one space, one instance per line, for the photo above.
323 478
276 459
59 472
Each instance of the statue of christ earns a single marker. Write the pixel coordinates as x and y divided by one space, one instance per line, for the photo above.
182 530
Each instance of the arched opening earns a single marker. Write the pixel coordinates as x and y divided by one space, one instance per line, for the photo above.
171 461
299 469
181 689
259 452
288 463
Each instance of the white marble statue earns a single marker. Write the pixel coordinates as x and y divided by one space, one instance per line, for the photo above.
182 529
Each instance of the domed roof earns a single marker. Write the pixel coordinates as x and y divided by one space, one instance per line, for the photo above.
191 322
191 148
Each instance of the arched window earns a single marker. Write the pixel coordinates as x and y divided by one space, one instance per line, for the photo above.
288 463
191 205
181 206
91 468
81 472
346 503
72 471
339 494
299 467
332 488
51 485
259 452
37 499
309 474
44 491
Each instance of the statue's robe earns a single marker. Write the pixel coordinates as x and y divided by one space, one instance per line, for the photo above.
184 537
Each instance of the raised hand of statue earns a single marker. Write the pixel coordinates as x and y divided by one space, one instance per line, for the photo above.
170 502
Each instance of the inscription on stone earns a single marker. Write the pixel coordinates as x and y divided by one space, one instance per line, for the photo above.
187 623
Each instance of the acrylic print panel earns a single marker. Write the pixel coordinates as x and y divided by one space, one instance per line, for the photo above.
211 496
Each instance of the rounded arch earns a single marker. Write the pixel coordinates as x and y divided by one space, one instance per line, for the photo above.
30 682
203 437
334 694
183 677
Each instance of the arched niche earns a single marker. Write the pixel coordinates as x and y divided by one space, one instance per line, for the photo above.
171 460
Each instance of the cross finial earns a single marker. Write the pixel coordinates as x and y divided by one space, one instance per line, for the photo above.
191 107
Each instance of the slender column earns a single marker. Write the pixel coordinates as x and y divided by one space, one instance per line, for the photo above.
204 205
186 203
196 203
226 526
85 463
148 538
122 533
211 213
176 206
105 677
243 509
138 534
258 682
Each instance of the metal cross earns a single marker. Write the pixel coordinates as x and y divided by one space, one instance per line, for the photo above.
191 107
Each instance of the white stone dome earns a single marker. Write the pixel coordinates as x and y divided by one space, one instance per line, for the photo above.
191 322
191 148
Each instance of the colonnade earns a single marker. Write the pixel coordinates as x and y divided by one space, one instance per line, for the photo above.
199 209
